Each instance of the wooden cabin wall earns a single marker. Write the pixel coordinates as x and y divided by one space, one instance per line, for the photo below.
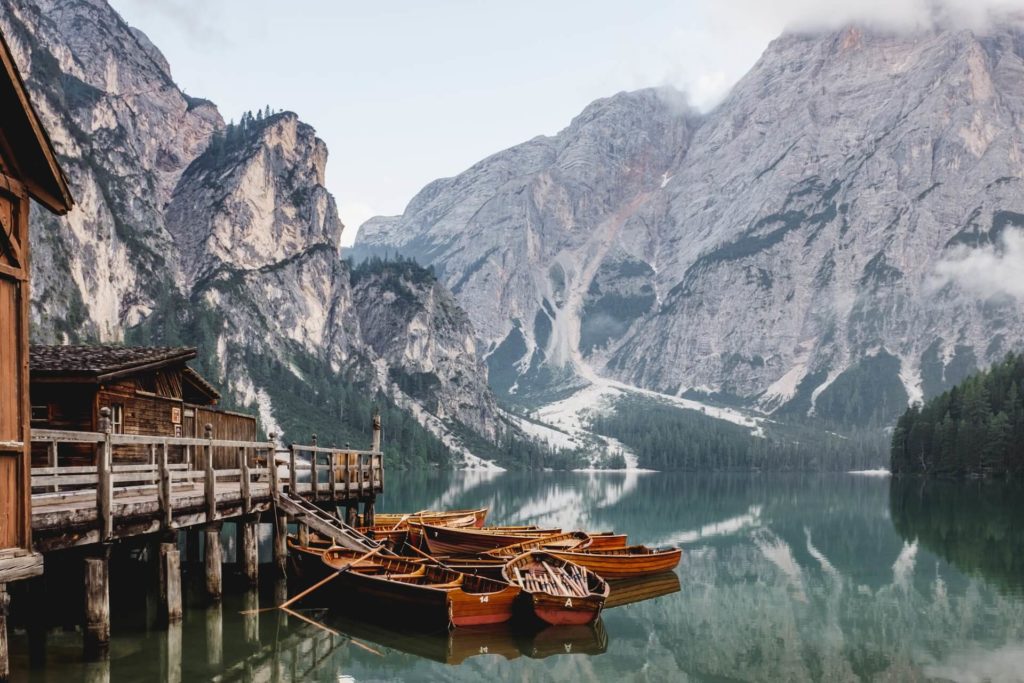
229 426
143 413
15 486
70 407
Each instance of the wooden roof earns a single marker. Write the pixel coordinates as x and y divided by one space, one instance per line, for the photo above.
33 155
196 389
101 363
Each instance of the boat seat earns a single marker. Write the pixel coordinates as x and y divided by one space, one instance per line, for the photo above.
413 575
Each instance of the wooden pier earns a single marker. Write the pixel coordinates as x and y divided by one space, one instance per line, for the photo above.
190 485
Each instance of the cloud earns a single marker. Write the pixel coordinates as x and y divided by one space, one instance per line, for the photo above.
197 21
986 271
891 14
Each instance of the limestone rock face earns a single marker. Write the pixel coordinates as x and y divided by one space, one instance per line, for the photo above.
785 246
190 230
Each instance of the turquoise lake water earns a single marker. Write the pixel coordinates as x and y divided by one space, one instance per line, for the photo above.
783 578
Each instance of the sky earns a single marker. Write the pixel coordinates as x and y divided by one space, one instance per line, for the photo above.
405 92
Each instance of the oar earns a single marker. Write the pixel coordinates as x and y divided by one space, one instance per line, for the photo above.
318 584
332 631
404 517
433 559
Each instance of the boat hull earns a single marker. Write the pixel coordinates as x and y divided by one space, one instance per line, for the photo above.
474 601
451 541
563 611
622 564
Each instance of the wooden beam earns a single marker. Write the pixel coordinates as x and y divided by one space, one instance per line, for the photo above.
97 605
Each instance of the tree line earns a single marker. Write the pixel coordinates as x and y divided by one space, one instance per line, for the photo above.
976 429
665 437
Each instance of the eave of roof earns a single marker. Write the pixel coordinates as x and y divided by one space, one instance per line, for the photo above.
43 177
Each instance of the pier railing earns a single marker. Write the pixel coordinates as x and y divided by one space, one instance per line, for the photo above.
334 473
99 479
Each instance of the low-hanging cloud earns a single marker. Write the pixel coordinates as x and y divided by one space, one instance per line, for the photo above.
986 271
891 14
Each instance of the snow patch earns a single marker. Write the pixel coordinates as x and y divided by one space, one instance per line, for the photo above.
878 472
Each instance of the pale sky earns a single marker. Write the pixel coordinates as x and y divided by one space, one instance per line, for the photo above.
404 92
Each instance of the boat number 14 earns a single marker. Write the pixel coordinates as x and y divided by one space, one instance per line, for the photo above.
485 598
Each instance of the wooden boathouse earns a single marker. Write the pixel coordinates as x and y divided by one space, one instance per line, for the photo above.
28 169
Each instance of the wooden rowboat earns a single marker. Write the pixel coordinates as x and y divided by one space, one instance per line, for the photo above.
559 591
623 563
431 517
605 540
448 541
574 540
428 593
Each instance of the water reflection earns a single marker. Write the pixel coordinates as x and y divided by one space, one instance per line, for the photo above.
834 578
977 526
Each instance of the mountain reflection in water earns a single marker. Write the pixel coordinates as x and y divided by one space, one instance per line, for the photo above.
783 578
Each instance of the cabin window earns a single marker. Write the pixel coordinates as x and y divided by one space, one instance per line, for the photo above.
40 413
117 418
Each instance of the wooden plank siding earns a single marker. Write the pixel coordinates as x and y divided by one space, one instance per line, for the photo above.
228 426
15 532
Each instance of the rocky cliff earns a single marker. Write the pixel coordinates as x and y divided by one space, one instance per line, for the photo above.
188 230
801 248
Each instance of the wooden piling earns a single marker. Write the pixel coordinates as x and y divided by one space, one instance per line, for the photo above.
303 534
97 604
214 559
369 511
170 583
5 662
281 543
352 512
249 550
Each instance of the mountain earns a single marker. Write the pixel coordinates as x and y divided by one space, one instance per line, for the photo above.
190 230
786 252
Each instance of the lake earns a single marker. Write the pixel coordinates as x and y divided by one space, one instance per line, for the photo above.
783 578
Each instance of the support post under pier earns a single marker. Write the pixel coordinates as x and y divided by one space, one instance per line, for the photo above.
369 511
249 550
352 513
214 561
97 604
170 582
281 543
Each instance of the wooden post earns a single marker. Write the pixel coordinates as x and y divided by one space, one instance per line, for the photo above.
52 459
210 484
293 485
275 478
281 543
5 662
312 470
333 459
104 486
215 636
369 511
245 477
164 489
214 560
97 604
249 550
352 512
377 434
170 583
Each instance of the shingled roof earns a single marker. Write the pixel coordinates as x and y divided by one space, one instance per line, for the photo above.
100 363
